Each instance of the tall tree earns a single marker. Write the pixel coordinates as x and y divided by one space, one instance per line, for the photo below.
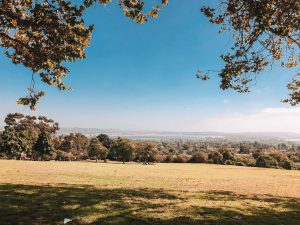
97 150
145 151
76 144
43 146
21 132
105 140
123 149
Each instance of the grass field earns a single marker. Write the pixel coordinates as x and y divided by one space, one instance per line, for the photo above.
113 193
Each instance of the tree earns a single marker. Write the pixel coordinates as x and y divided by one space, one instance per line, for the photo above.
75 144
97 150
123 149
266 161
227 155
105 140
244 149
43 146
216 157
43 35
198 157
145 151
21 132
263 32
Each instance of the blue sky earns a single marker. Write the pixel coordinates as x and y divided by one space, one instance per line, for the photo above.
142 77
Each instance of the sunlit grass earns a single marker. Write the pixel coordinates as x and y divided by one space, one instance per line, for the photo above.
113 193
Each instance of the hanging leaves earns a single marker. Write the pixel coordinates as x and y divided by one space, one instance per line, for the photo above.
263 31
43 35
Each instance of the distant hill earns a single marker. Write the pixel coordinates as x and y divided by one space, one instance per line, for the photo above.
284 136
164 135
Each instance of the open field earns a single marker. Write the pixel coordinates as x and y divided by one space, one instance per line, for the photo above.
112 193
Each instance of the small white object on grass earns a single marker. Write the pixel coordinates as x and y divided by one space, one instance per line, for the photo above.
66 220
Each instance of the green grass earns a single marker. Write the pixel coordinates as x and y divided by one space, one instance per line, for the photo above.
90 193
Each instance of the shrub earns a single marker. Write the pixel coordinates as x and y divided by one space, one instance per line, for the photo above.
248 161
229 162
198 157
288 164
279 156
210 161
64 156
240 164
266 161
256 154
216 157
3 155
169 159
244 149
182 158
227 155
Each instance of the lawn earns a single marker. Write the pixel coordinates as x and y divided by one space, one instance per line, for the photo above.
135 194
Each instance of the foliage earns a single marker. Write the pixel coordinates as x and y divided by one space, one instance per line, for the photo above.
244 149
123 149
44 35
288 165
266 161
199 157
216 157
240 164
21 132
145 151
76 144
64 156
227 155
97 150
229 162
181 158
263 32
256 154
43 146
105 140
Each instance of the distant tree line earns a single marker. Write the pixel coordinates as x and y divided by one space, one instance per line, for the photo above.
35 138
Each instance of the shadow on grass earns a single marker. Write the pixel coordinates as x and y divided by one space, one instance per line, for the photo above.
25 204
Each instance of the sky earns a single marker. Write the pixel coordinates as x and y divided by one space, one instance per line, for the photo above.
142 77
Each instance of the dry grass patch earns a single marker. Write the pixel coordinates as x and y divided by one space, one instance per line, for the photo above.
90 193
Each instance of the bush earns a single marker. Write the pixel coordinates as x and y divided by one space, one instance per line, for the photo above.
266 161
288 165
216 157
229 162
198 157
244 149
227 155
182 158
248 161
240 164
159 157
64 156
169 159
3 155
279 156
256 154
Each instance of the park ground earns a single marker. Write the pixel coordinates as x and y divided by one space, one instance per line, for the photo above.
136 194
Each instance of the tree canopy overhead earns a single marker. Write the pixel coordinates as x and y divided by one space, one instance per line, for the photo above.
43 35
263 31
